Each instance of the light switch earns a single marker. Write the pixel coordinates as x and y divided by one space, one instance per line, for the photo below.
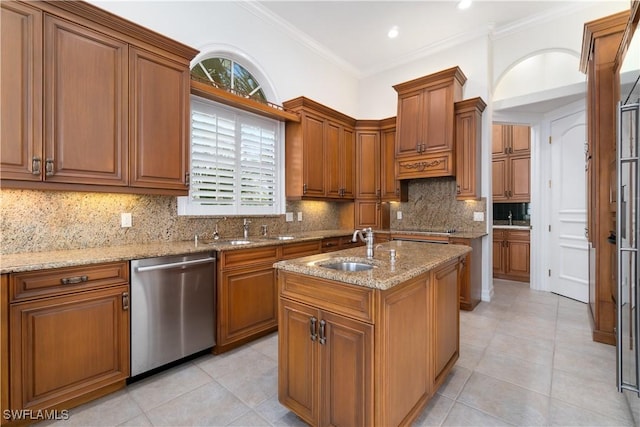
478 216
299 216
399 215
289 217
125 219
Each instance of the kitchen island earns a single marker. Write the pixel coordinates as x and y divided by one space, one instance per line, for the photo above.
368 347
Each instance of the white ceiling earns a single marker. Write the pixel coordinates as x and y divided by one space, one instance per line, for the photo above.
354 33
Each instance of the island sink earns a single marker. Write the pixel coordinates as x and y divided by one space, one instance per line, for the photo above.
348 266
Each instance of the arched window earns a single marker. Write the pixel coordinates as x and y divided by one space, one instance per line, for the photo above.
236 155
228 74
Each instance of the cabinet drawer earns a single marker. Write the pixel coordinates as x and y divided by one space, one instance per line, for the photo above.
332 244
425 166
520 235
346 242
352 301
59 281
295 250
242 257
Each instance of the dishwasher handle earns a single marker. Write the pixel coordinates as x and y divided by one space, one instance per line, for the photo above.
176 264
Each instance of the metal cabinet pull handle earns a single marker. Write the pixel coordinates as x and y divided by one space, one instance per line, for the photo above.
187 179
74 280
458 188
48 167
304 188
323 338
125 300
312 328
35 165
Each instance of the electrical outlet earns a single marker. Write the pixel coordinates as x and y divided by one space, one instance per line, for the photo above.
288 216
399 215
478 216
125 219
299 216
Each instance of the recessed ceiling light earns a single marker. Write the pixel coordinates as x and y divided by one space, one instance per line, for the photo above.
464 4
393 32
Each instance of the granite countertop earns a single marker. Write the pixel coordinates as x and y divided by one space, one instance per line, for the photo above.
13 263
30 261
412 259
512 227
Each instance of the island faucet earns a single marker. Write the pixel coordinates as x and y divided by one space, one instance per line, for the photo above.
366 235
245 228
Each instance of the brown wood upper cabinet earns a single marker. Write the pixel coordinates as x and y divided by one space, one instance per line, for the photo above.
95 102
511 163
425 127
468 139
319 152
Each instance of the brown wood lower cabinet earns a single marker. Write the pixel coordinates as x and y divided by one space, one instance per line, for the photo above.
358 356
247 298
70 346
511 253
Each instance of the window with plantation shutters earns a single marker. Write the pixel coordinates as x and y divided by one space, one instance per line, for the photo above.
235 162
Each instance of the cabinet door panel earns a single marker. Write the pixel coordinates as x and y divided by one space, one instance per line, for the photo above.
446 317
68 346
437 119
248 303
20 91
408 134
160 119
298 360
499 179
498 140
390 187
346 371
367 161
367 214
518 262
520 139
86 113
520 179
348 163
334 154
314 156
498 255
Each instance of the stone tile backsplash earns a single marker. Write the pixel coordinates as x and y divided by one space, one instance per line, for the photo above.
432 205
35 221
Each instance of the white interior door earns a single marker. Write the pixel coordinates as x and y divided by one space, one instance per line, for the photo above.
568 261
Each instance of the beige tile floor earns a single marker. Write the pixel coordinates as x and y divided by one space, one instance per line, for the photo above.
526 359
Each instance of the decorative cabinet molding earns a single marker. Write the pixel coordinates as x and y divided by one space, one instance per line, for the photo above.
425 127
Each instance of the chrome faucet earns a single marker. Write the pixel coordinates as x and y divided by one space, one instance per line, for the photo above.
245 228
366 235
510 216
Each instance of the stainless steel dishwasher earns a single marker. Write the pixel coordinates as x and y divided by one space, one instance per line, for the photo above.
172 309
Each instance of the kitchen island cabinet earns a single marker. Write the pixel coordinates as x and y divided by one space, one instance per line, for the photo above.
346 355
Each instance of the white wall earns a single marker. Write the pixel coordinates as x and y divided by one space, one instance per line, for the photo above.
293 68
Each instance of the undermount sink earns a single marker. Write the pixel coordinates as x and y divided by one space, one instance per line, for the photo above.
281 238
348 266
239 242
